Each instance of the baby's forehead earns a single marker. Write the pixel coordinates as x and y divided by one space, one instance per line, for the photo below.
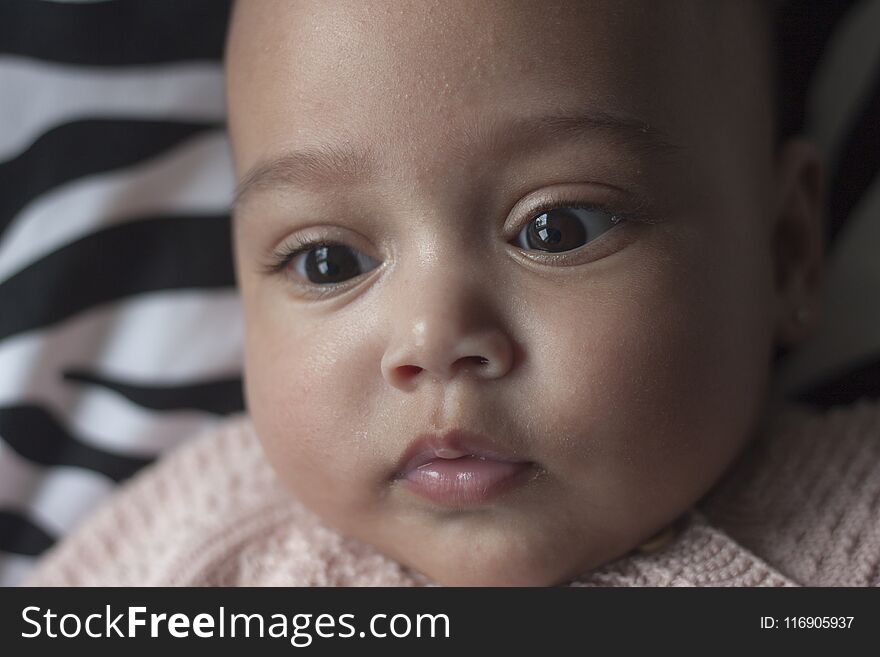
395 73
455 32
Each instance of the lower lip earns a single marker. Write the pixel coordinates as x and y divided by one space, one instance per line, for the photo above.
465 481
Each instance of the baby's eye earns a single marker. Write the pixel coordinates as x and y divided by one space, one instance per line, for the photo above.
325 264
565 228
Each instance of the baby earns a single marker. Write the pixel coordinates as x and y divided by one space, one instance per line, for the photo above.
513 274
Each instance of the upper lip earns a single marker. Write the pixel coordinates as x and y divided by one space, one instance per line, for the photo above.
451 444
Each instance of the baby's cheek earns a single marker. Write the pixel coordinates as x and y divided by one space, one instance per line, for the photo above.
304 401
656 392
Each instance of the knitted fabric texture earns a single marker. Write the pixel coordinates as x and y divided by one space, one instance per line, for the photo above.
801 506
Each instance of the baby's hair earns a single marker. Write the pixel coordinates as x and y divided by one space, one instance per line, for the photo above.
789 65
789 89
799 31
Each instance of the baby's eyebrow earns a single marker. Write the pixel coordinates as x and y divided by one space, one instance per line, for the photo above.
346 163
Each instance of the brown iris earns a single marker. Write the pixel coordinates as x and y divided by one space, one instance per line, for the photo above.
559 229
331 264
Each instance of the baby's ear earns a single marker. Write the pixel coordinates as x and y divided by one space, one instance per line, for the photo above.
799 239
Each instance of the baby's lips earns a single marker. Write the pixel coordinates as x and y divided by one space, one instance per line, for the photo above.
467 480
458 469
453 444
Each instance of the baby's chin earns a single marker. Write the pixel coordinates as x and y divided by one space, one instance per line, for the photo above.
504 570
498 573
499 558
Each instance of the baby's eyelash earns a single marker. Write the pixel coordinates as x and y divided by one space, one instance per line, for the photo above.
638 213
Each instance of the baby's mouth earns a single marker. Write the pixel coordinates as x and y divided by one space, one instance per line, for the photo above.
459 468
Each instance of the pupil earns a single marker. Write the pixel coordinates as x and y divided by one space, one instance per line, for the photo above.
331 264
557 230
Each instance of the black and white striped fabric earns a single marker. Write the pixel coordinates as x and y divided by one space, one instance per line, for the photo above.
120 329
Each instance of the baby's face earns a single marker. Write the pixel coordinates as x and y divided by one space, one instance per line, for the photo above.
545 226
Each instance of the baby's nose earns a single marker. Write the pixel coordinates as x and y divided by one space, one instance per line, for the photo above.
448 335
441 353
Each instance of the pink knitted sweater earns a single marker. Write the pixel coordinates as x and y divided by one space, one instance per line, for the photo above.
800 507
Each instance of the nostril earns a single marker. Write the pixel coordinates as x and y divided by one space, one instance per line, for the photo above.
409 371
478 360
